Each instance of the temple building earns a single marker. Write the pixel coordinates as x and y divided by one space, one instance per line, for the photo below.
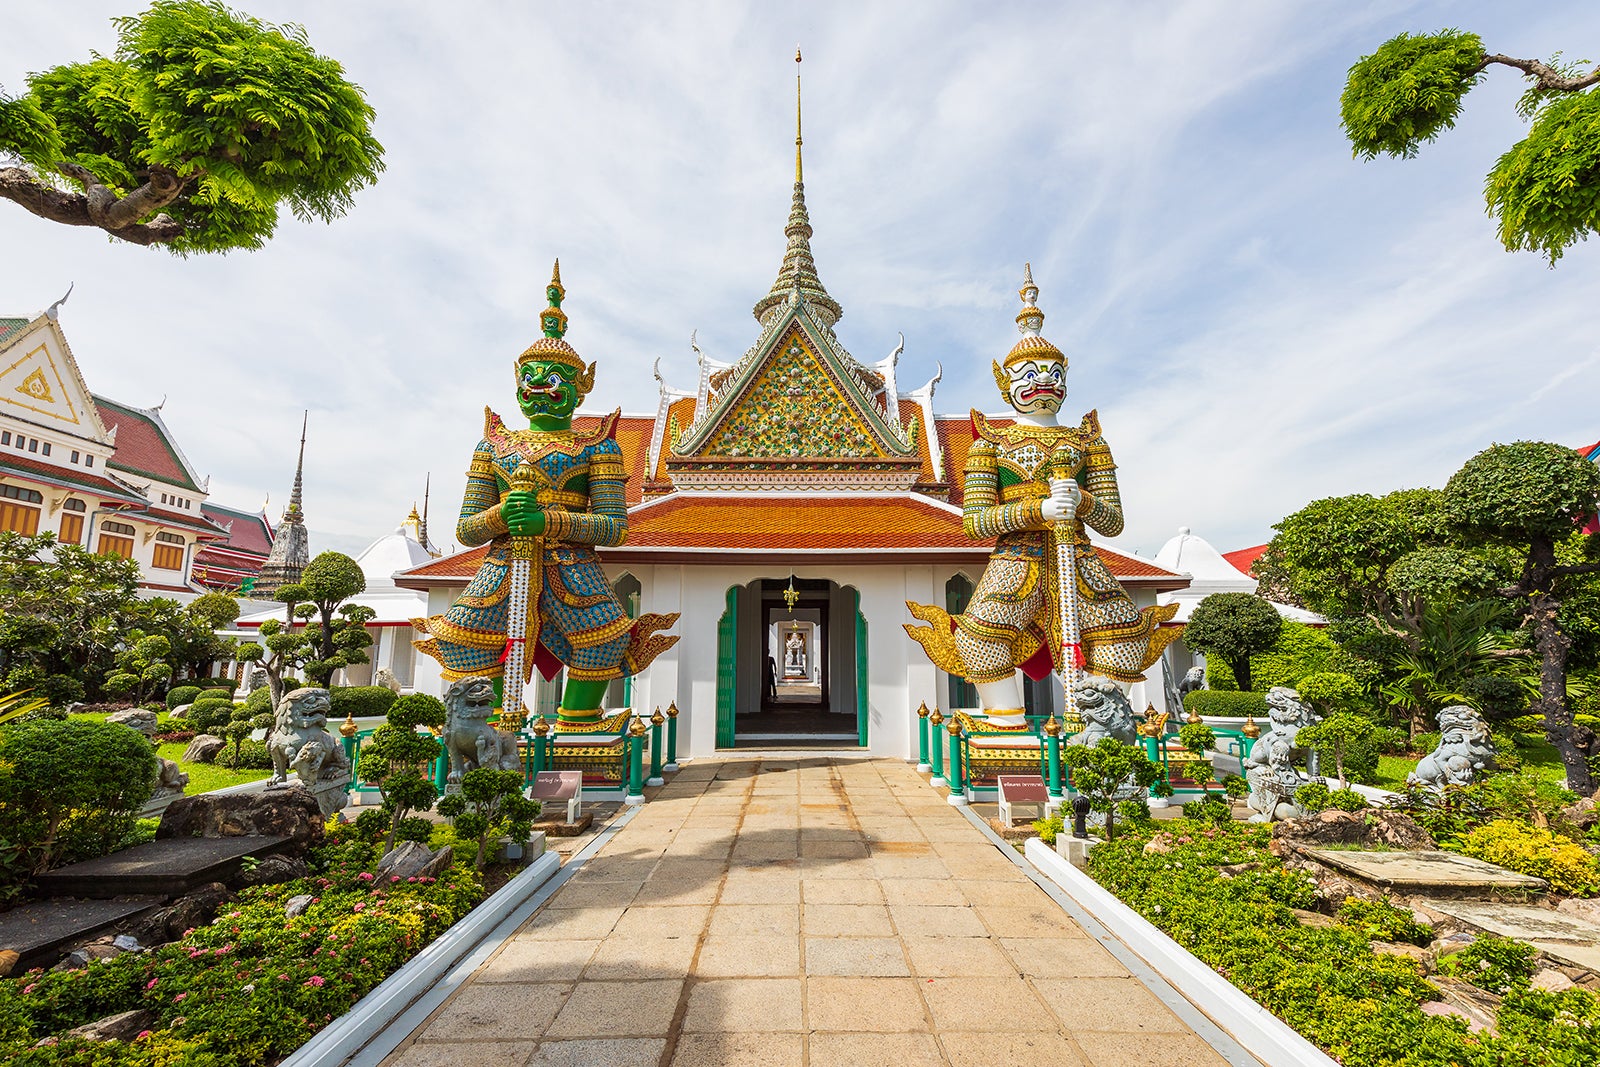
233 565
788 504
94 471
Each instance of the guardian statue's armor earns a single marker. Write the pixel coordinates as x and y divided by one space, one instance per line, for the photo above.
1025 484
576 502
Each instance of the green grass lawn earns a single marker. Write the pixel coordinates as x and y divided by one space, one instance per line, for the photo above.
203 777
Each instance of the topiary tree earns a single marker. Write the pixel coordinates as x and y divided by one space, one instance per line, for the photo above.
142 667
1545 191
1337 733
1531 497
70 779
1197 737
1100 771
1233 627
395 759
193 134
491 804
336 642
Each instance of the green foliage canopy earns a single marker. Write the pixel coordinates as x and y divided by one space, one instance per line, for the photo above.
1544 192
200 127
1233 627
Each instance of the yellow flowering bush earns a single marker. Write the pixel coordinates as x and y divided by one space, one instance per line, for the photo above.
1567 866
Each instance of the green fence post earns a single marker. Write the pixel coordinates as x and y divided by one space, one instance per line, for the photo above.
672 737
657 723
958 786
936 749
1052 745
541 727
922 737
636 734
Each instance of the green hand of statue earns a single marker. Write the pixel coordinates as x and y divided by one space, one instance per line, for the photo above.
524 517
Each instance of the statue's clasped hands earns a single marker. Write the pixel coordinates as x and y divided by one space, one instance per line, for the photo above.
1062 503
524 517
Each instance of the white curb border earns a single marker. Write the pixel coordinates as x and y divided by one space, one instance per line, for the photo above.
1261 1033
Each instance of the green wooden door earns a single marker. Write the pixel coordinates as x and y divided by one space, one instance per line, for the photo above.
861 674
727 656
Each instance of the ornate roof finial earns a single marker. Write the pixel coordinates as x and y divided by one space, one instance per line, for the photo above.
1030 320
552 320
799 270
799 172
293 512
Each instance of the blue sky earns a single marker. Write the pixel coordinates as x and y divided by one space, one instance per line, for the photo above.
1260 319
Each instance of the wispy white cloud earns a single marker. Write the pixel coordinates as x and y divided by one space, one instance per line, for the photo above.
1260 319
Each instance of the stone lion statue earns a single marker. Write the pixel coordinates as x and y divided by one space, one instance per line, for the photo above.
1106 713
468 738
171 781
1193 679
1464 749
301 742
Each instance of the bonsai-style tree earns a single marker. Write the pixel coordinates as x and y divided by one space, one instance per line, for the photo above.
192 134
1531 496
491 804
1099 772
396 757
1233 627
142 667
1336 733
1197 737
338 637
1545 191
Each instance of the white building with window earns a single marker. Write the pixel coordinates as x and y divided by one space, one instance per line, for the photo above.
93 471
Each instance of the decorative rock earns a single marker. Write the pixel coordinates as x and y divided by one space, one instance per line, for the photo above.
124 1026
180 712
9 958
1552 981
1581 909
135 719
203 748
413 860
1385 829
185 913
296 906
271 871
126 942
1585 813
290 812
76 960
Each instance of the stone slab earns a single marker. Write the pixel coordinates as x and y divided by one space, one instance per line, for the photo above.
1566 937
1441 873
38 931
168 866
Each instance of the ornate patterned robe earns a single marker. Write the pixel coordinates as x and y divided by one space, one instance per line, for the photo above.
1014 620
574 618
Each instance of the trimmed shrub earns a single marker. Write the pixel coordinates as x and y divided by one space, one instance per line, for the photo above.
259 700
1493 963
1347 800
180 695
1568 867
1228 703
1313 797
72 788
1383 921
362 701
1299 650
230 684
251 756
207 712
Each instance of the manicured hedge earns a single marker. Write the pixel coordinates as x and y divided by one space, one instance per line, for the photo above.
180 695
1230 703
1360 1006
361 700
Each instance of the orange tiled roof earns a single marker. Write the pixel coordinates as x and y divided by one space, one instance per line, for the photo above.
738 522
1242 560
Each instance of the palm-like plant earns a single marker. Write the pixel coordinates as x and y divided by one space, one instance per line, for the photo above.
1449 646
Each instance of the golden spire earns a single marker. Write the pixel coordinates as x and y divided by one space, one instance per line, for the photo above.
798 273
799 172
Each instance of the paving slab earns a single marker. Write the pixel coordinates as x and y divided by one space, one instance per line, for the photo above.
39 931
1564 936
803 912
1444 874
168 867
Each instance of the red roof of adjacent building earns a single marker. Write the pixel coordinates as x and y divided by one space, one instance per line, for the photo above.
1242 560
250 533
143 445
90 484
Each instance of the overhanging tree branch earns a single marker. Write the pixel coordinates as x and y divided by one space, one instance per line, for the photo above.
99 206
1544 75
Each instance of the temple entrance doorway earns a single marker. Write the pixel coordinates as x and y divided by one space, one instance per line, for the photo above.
791 665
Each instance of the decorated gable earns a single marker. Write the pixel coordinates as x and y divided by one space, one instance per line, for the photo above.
793 409
40 384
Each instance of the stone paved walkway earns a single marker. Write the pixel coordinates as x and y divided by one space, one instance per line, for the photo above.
802 912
